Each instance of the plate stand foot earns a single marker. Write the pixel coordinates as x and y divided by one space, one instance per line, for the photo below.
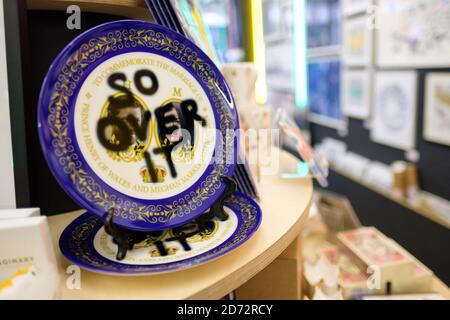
126 239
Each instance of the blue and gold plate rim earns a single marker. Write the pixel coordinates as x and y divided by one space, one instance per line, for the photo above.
62 152
77 242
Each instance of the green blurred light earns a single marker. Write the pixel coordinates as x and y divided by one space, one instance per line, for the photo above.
302 172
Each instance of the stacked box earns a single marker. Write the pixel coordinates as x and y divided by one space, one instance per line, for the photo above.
391 269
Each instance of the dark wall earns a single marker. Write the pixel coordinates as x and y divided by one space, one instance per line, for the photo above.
428 241
47 36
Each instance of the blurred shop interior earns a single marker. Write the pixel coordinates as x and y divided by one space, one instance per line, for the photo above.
368 84
326 63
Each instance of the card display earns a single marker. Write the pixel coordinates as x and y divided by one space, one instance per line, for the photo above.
394 119
437 108
414 33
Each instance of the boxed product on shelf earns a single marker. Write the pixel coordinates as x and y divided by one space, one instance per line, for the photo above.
422 278
324 292
336 269
392 268
352 278
28 267
379 175
354 165
377 252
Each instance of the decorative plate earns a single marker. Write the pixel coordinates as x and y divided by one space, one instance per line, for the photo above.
109 113
85 243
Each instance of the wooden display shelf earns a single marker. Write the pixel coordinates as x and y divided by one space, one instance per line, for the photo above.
136 9
421 210
285 207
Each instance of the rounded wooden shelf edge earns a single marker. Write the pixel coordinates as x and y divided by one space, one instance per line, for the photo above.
246 272
285 205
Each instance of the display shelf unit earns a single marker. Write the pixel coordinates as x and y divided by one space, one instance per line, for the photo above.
319 239
421 210
285 207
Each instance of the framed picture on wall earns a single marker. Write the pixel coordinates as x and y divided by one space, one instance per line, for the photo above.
356 93
272 16
357 42
394 116
413 33
323 23
324 90
437 108
352 7
279 72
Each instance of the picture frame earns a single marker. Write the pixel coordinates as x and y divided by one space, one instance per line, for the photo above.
354 7
279 72
406 38
323 19
356 93
324 92
395 109
272 17
357 42
437 108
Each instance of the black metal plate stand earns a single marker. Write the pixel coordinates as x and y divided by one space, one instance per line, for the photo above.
126 239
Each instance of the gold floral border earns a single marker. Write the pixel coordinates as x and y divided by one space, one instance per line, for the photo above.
58 122
82 237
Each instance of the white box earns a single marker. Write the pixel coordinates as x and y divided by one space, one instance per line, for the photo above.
19 213
28 267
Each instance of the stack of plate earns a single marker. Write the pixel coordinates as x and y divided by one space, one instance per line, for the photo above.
108 111
184 18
